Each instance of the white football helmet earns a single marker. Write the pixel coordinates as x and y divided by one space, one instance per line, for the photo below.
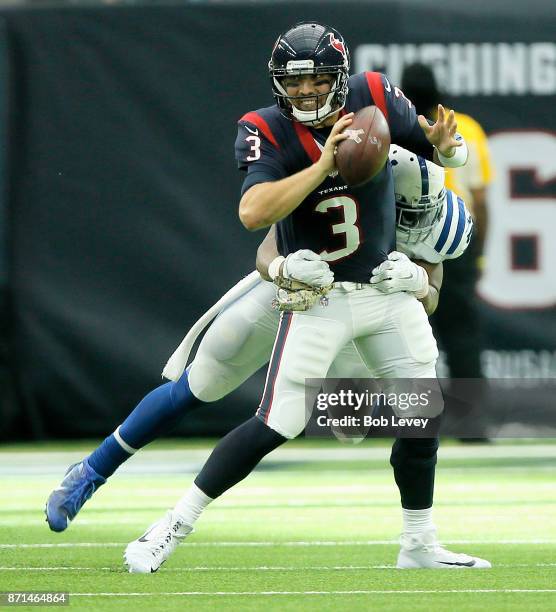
419 189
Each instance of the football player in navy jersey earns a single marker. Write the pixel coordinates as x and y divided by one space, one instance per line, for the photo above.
287 151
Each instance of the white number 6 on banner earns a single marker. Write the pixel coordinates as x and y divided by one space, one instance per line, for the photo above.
518 216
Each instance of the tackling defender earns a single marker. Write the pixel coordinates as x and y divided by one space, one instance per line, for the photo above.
288 152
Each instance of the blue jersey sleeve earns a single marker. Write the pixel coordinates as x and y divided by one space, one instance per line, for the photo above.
257 152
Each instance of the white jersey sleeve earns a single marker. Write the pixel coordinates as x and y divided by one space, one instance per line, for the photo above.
449 237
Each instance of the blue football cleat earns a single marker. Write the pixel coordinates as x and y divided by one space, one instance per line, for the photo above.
63 504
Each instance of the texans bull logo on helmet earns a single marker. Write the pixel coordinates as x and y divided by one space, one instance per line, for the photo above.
337 44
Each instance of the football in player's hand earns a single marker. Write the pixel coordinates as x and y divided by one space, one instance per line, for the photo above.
362 156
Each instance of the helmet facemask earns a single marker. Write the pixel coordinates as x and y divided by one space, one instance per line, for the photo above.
415 220
334 101
419 192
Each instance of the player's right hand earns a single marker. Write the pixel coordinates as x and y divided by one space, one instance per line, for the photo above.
327 161
309 268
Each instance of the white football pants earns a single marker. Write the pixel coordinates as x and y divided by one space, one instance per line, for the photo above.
362 333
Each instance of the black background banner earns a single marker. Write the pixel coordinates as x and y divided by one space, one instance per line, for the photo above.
123 190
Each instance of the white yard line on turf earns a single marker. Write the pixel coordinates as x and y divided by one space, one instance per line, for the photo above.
262 593
262 568
190 460
288 544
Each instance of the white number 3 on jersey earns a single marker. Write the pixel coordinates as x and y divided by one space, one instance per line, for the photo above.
255 148
348 227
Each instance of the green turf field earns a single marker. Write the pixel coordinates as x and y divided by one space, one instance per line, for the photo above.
314 528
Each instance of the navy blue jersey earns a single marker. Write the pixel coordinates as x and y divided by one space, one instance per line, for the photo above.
352 228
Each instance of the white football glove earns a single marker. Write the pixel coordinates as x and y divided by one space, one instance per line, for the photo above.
304 266
399 273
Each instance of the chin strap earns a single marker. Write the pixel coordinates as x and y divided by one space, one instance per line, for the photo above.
309 117
313 117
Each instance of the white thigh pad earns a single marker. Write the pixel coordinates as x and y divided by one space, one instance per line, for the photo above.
405 346
304 351
235 346
416 330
